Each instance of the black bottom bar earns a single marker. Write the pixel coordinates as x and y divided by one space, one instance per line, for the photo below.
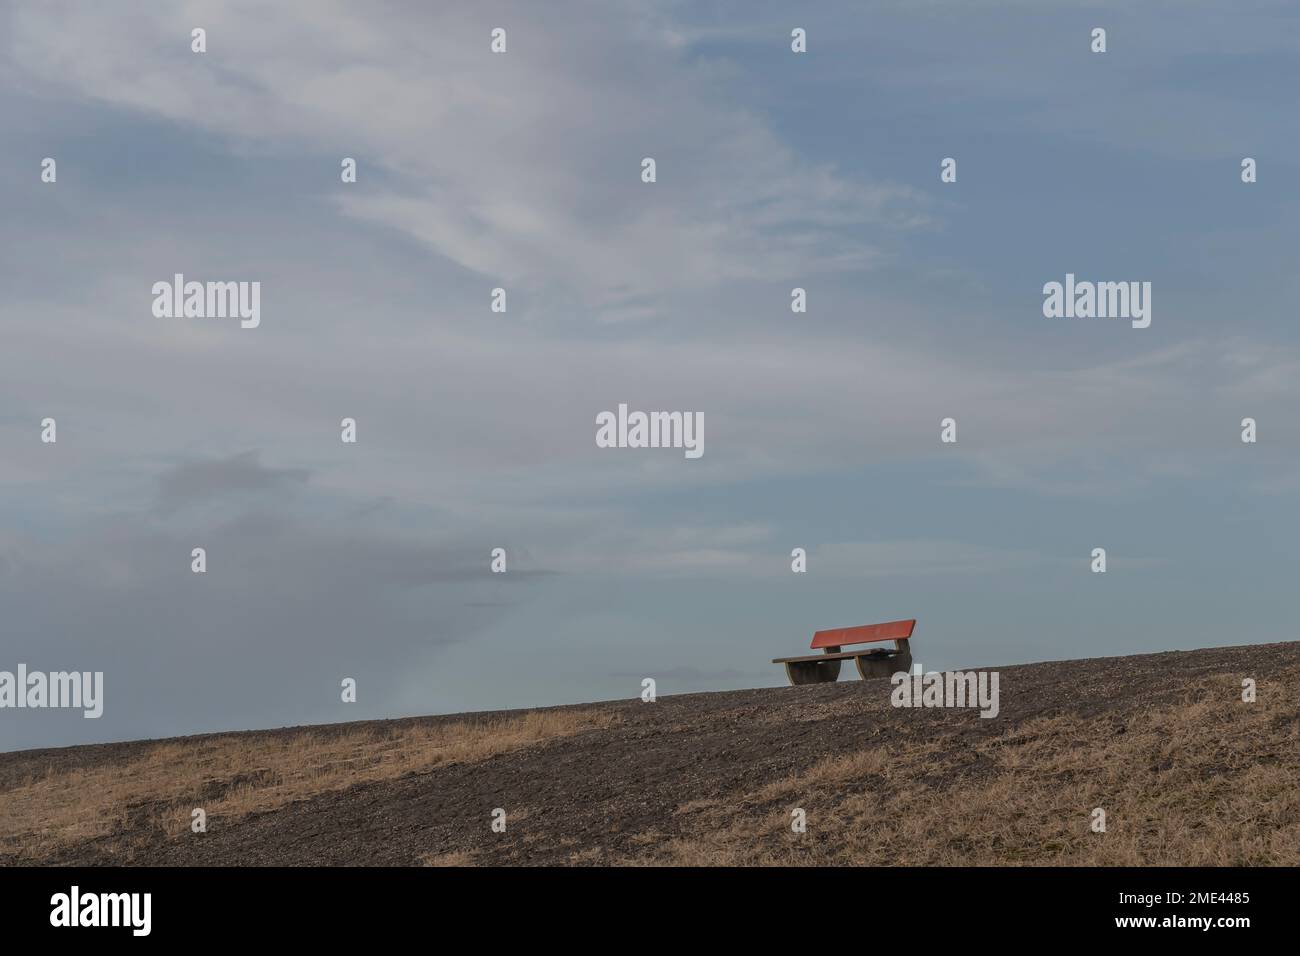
332 906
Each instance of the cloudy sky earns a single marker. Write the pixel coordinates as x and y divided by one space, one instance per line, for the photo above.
476 429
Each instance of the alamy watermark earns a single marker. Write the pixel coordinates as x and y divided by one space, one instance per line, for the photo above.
1101 300
947 689
82 690
651 430
75 908
208 300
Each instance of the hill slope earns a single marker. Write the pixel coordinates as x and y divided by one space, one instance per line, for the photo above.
1186 772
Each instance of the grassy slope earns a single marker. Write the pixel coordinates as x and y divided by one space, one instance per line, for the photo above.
1186 772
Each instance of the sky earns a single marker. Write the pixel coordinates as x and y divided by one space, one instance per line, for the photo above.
476 429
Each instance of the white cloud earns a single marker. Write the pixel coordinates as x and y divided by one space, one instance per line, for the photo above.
523 166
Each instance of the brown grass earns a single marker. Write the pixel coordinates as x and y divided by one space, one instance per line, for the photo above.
233 776
457 858
1207 781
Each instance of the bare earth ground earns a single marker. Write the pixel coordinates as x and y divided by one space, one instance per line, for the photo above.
1186 772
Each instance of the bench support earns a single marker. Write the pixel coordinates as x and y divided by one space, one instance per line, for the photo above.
812 672
884 665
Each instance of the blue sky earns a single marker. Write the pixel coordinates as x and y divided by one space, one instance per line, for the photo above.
476 430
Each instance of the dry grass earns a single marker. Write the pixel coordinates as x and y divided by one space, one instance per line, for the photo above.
457 858
233 776
1208 781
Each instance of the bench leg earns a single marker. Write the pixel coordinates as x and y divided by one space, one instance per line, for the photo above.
879 665
812 672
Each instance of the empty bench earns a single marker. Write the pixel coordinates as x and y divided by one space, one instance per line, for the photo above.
872 662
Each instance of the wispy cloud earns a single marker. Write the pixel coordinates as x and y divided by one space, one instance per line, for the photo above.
524 168
221 478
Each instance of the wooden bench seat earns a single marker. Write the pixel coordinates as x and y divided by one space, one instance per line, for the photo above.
841 656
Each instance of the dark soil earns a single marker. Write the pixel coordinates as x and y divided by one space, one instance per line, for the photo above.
594 796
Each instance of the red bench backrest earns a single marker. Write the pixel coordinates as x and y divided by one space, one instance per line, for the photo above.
840 636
